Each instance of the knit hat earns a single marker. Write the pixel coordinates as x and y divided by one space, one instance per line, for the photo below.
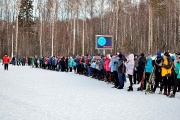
142 54
158 54
166 54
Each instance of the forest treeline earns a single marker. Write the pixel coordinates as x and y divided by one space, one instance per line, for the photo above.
64 27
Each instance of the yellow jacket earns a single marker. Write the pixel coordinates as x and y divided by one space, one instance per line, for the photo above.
167 66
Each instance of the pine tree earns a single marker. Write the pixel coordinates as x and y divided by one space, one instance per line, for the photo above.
26 15
26 22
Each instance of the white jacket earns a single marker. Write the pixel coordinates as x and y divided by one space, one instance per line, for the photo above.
130 64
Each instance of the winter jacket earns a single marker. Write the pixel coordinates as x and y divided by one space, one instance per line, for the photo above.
6 59
175 61
66 61
141 64
93 63
149 67
54 62
70 62
76 61
107 62
50 60
135 63
130 64
88 61
114 63
167 66
62 61
101 64
98 64
157 61
178 70
110 65
32 60
74 64
121 66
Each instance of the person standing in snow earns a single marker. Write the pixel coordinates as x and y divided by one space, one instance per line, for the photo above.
93 66
177 83
175 61
13 60
158 78
129 70
135 75
107 68
121 71
54 63
140 70
166 73
62 63
148 69
66 63
6 61
114 66
140 67
70 63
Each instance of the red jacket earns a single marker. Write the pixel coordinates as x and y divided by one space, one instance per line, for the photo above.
6 59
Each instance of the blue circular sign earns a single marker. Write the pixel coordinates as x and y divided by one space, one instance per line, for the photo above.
101 41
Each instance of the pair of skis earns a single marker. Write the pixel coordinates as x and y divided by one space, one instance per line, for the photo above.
150 81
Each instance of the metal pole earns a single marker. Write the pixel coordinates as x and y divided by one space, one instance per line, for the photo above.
104 51
83 39
12 47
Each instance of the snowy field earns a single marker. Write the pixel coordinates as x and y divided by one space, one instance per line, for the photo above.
35 94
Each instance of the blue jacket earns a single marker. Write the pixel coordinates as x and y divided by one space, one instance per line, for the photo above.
177 70
74 64
50 60
70 63
93 64
101 65
114 63
54 62
149 67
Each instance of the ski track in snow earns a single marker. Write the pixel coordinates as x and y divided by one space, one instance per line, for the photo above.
35 94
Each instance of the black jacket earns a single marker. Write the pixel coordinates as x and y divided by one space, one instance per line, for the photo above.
141 64
121 66
156 62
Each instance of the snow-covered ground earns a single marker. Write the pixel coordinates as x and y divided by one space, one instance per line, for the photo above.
35 94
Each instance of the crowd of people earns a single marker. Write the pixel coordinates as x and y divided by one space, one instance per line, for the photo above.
116 68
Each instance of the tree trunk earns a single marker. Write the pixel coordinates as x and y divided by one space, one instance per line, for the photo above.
17 9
